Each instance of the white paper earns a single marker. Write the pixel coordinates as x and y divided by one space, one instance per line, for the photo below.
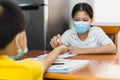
65 55
62 56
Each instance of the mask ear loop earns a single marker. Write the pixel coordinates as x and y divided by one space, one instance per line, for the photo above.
18 46
17 41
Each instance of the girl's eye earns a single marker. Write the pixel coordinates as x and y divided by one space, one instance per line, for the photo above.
76 19
85 20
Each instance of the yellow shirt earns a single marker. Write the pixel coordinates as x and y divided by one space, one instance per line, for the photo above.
20 70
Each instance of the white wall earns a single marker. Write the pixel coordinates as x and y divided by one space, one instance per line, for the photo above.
106 11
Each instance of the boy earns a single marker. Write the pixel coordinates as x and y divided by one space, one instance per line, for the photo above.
13 44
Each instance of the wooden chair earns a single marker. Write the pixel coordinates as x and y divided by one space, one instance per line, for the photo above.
112 32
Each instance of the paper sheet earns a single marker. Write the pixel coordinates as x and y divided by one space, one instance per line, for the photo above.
65 55
62 56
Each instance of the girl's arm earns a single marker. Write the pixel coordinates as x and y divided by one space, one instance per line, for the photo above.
109 48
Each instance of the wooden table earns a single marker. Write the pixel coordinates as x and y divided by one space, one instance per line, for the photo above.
89 72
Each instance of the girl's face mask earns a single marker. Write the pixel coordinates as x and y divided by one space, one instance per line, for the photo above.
81 27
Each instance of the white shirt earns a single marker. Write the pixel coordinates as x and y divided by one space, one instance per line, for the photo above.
96 37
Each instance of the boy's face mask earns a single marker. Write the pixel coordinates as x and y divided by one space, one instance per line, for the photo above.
81 27
20 52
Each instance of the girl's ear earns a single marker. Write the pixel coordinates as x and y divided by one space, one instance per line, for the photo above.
22 40
91 20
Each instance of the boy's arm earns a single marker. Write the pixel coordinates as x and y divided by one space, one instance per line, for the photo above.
51 57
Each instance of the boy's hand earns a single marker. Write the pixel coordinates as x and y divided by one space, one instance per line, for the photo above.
62 49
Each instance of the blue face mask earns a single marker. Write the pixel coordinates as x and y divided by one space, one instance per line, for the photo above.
81 27
20 52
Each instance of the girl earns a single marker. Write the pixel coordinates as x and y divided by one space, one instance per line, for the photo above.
85 39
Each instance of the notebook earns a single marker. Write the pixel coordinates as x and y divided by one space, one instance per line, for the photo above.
62 65
66 65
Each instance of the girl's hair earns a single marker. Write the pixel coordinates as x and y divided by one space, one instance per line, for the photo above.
82 7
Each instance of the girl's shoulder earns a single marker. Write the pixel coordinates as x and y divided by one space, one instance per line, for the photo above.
95 29
70 31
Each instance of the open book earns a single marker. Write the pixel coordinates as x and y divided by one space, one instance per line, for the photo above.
66 65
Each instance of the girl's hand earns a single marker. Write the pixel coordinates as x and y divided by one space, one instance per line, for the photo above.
56 41
76 50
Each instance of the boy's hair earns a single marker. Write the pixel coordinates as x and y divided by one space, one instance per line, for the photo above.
12 22
82 7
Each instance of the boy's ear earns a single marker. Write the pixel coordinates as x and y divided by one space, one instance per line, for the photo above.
22 40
